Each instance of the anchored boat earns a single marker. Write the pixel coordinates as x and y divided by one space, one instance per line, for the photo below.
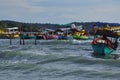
27 36
105 42
80 34
8 33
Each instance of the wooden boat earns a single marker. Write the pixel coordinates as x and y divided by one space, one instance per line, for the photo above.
80 34
9 33
51 36
65 37
83 37
102 49
39 37
27 36
104 46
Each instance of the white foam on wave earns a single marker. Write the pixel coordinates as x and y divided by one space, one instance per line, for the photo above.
80 41
54 40
35 52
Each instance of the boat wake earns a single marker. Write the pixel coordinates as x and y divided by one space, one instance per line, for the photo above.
79 41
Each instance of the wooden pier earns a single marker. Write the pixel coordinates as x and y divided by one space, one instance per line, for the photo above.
21 39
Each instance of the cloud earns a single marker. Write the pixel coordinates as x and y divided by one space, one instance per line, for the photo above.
60 11
17 7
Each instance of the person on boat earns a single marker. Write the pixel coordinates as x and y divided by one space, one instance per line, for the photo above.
104 40
108 42
115 44
98 40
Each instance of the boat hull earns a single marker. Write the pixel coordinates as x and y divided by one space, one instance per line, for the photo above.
80 37
65 37
8 36
27 37
102 49
52 37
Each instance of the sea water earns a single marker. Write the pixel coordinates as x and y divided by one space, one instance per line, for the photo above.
54 60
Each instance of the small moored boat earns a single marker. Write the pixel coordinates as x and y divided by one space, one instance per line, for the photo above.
105 42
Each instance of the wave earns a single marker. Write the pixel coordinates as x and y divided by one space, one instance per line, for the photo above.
40 58
80 41
58 65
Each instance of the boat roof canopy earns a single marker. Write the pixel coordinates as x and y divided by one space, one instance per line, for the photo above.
107 33
102 24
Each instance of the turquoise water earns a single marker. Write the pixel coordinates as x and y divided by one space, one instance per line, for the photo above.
54 60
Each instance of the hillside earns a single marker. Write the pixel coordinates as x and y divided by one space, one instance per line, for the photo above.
38 26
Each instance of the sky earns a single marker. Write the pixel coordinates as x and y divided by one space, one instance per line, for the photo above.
60 11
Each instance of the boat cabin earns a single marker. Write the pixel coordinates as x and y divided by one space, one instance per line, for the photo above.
13 30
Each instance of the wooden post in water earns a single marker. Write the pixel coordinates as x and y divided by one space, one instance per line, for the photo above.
20 41
10 39
23 41
36 40
21 36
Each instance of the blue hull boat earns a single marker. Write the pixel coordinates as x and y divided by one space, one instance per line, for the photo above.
105 42
27 36
102 49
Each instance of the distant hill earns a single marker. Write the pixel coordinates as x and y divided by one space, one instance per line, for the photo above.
29 26
38 26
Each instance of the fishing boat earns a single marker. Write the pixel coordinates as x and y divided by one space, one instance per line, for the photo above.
8 33
40 37
105 42
52 37
65 37
27 36
80 34
82 37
